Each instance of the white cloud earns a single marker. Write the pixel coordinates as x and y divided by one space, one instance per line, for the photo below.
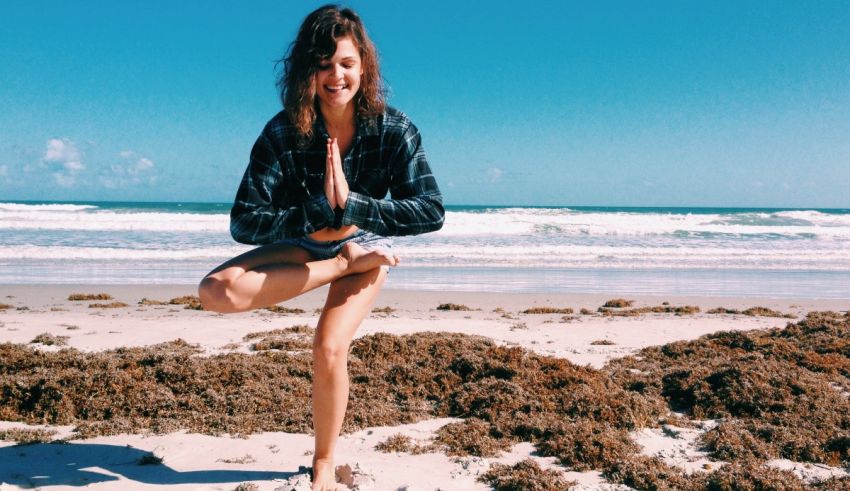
758 184
134 170
65 153
63 159
4 170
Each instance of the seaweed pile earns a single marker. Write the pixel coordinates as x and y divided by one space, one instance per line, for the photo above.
779 393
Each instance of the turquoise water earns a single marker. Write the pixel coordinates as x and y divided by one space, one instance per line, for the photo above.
788 252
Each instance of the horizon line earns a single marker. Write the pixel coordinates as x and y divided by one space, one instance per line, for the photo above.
14 201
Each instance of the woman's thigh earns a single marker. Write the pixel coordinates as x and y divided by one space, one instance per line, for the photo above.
260 256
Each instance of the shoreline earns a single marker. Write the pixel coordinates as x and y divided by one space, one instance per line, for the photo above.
54 292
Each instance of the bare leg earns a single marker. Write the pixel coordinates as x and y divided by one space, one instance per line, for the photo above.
349 300
271 274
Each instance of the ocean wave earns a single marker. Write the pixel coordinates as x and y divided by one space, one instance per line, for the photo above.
110 220
506 222
44 207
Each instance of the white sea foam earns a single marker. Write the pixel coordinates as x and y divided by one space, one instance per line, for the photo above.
45 207
495 222
110 220
566 222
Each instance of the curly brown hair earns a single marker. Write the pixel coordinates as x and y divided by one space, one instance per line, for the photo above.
316 41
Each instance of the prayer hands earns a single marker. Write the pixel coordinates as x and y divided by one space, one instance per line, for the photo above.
336 187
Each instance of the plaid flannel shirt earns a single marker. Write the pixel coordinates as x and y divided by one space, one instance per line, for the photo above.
282 191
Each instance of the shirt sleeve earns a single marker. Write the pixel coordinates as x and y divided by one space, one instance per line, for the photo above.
256 218
416 206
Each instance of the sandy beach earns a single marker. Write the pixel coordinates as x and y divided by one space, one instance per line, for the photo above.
584 336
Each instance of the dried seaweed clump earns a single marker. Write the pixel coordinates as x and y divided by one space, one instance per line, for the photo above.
190 301
25 436
643 472
277 309
774 390
400 442
751 475
453 306
660 309
247 486
524 475
397 442
472 436
752 311
298 329
505 394
281 343
618 303
89 296
5 306
586 445
110 305
777 387
383 310
160 388
602 342
48 339
547 310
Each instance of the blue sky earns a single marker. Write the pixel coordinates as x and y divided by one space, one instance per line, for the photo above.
679 103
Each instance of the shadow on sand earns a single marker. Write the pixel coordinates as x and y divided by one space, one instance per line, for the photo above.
79 464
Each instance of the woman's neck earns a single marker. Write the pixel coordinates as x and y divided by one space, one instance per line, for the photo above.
337 120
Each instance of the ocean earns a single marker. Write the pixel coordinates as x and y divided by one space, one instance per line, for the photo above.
735 252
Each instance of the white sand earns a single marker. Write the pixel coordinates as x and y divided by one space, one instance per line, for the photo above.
272 460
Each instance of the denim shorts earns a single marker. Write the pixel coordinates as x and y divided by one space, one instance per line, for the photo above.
326 249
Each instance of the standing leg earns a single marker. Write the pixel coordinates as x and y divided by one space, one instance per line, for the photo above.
349 300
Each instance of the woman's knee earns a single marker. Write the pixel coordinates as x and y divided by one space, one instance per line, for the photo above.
329 354
215 294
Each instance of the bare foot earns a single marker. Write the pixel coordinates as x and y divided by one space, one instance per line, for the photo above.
357 259
324 478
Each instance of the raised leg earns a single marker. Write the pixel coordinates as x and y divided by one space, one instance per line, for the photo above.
349 300
271 274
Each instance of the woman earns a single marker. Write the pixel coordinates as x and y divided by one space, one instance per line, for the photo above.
313 198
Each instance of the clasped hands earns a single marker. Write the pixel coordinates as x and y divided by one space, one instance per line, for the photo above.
336 187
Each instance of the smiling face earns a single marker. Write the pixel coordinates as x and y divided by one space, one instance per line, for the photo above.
338 77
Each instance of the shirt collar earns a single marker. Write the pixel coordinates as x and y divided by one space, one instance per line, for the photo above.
365 127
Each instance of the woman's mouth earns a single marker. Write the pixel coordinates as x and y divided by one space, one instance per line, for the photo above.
336 88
